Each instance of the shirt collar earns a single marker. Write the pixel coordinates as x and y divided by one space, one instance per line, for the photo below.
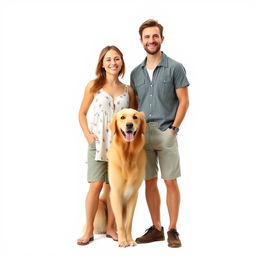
163 62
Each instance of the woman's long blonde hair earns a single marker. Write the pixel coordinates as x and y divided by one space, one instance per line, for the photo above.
101 72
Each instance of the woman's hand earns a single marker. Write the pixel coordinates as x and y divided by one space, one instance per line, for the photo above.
91 138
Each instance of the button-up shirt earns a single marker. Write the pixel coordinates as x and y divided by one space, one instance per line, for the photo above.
157 98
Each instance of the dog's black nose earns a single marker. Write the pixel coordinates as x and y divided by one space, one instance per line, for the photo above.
129 125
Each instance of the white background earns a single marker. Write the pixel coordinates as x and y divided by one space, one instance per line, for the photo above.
49 51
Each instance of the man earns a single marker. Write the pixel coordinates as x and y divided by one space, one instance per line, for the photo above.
161 88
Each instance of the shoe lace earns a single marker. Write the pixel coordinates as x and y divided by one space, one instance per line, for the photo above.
174 232
147 231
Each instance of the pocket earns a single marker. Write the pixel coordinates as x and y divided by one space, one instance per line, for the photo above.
140 87
168 138
167 88
169 132
92 145
139 82
166 83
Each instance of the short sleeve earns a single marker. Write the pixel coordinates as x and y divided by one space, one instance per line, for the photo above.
132 84
179 76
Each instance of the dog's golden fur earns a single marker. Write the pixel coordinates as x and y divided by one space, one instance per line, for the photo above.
126 170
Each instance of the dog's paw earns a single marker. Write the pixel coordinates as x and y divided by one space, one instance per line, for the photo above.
132 243
123 243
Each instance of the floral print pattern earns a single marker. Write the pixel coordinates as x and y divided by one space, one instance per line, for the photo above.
104 106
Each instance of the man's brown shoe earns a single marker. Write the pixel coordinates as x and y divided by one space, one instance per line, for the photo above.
173 238
152 234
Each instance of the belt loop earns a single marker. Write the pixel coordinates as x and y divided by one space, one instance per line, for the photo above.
153 124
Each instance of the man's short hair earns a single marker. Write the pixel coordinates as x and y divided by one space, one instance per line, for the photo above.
151 23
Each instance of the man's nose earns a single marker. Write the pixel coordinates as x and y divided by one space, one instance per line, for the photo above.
151 39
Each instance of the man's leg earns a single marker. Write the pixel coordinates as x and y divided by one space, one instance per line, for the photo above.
155 232
173 201
153 201
170 169
173 204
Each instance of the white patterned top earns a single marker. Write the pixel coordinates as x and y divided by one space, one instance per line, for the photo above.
104 106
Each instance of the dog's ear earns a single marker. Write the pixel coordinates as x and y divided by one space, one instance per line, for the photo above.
112 125
143 122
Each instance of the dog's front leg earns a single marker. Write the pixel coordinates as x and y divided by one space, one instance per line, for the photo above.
116 203
129 216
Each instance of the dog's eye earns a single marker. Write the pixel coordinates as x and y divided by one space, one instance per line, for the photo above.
135 117
122 117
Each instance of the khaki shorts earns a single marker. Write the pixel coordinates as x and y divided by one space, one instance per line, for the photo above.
97 170
161 147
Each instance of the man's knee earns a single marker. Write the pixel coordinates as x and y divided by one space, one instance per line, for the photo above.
171 184
151 184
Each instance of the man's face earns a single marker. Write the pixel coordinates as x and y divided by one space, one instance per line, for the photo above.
151 40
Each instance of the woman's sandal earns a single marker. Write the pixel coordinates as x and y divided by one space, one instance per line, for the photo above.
85 243
109 236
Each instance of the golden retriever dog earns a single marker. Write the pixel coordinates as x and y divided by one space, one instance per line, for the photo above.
126 169
126 173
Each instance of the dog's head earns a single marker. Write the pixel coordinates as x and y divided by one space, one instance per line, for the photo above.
128 123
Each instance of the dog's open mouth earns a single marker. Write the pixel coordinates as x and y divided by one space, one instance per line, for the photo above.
128 135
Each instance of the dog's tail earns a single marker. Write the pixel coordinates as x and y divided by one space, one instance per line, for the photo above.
100 221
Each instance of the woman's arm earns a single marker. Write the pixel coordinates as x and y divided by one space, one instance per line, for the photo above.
132 102
85 105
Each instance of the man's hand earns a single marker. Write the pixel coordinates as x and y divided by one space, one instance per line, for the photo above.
173 132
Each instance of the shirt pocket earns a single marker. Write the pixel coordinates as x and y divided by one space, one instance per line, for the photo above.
166 87
140 87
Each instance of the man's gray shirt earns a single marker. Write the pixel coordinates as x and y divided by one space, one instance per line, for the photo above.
157 98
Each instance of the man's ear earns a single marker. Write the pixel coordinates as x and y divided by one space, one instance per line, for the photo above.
112 125
143 122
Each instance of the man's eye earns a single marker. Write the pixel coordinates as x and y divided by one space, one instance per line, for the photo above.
122 117
135 117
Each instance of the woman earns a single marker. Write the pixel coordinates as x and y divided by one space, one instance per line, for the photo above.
108 95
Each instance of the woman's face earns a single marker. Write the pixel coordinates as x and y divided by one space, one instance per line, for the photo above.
112 62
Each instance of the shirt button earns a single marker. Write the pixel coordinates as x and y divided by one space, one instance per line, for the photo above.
149 114
151 95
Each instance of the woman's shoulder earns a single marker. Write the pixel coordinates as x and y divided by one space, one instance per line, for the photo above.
129 88
90 84
89 87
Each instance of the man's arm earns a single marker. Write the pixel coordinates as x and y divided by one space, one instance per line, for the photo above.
182 94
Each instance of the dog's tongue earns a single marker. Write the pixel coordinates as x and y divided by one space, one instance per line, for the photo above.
129 136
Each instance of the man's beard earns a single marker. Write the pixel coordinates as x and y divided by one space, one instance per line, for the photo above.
153 52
